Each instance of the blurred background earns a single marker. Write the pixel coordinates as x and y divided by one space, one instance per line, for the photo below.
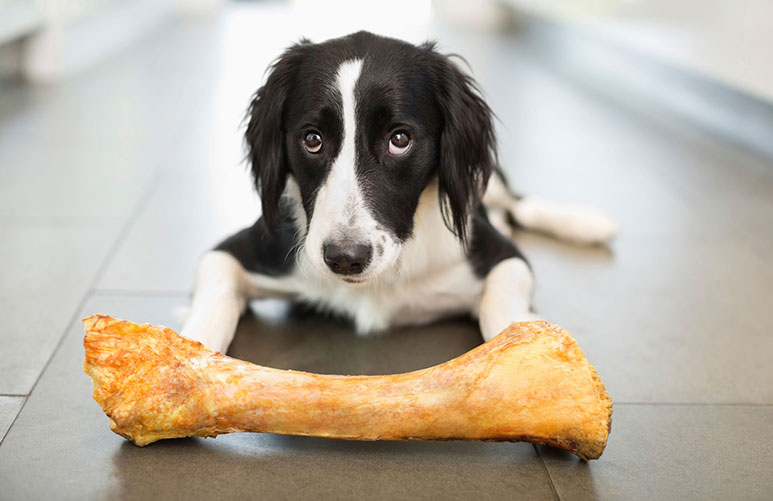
121 162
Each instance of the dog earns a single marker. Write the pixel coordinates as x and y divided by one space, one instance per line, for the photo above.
382 200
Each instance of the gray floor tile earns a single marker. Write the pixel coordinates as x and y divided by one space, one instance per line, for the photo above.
9 408
664 321
188 214
72 180
61 443
87 148
682 295
290 337
740 204
653 175
131 96
45 272
675 452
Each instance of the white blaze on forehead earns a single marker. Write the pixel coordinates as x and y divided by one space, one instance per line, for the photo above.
341 213
348 74
342 180
339 200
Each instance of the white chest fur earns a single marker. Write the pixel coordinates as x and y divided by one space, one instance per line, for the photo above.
431 279
400 301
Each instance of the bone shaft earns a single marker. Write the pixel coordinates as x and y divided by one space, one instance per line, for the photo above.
377 407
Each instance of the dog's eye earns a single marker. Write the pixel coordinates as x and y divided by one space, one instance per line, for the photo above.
312 142
399 143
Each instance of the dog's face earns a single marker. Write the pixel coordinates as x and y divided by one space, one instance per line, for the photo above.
361 125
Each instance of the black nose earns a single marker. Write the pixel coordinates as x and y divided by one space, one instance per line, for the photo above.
347 259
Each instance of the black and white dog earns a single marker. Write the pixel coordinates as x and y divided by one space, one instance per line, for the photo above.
382 201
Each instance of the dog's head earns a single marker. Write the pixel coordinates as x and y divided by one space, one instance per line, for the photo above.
356 129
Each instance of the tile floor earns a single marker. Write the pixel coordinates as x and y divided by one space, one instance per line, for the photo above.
112 183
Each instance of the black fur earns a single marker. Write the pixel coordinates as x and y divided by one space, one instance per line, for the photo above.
468 143
264 252
395 92
264 139
488 247
401 86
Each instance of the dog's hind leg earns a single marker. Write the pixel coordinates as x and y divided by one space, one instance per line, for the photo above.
576 223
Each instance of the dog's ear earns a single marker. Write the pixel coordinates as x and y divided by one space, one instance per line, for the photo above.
264 138
467 143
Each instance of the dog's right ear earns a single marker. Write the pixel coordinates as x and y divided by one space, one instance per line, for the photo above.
264 138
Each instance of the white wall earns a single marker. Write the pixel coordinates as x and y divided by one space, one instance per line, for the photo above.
47 40
728 40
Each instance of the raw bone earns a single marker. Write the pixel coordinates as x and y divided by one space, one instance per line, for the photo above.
530 383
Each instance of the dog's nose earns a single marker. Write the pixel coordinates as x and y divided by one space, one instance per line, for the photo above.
347 259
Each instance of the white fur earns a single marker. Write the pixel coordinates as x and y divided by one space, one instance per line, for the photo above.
220 296
581 224
340 213
507 297
219 299
577 223
431 279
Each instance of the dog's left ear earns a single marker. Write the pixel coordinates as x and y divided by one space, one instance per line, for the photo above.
467 144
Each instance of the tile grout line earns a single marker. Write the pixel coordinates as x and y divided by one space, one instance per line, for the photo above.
139 292
130 222
50 357
547 472
13 421
127 226
697 404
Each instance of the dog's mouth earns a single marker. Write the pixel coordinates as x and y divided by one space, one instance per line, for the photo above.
358 280
364 279
354 280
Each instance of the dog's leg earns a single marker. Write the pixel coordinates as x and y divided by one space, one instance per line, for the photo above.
219 299
576 223
228 277
506 297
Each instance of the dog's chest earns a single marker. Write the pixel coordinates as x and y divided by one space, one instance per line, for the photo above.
450 291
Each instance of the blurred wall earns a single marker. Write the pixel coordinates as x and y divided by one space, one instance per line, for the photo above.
728 41
51 39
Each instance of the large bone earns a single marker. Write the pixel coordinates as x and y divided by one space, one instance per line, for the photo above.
530 383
